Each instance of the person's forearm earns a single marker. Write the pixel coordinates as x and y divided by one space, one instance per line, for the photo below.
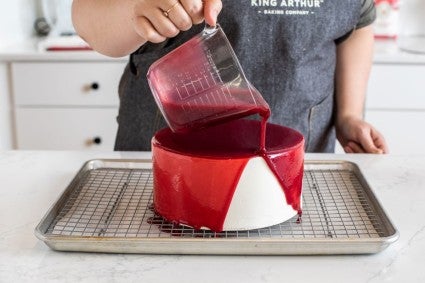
352 72
107 25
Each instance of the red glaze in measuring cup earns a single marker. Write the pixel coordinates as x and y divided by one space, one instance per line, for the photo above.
201 83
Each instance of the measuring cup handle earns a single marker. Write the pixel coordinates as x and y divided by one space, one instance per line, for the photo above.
210 29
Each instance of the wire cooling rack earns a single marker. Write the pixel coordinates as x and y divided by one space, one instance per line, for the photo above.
108 208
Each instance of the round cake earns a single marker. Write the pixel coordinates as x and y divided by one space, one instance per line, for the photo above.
217 179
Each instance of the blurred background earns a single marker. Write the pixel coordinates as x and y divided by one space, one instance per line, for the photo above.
57 94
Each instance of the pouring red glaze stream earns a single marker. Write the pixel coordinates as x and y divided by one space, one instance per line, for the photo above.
198 85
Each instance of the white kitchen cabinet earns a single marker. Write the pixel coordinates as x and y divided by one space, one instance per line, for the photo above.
395 105
397 86
66 128
66 84
63 103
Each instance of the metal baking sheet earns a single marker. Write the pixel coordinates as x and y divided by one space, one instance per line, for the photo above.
108 208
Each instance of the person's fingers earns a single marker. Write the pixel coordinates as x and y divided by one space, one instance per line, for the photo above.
379 141
194 8
180 18
358 136
348 149
381 144
355 147
162 24
156 21
211 10
146 24
365 139
144 28
159 20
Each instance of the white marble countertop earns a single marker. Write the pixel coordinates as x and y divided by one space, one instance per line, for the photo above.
27 51
31 181
386 52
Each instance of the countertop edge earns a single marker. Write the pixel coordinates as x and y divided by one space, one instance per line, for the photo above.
386 52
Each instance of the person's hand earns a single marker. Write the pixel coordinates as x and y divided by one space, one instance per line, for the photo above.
358 136
158 20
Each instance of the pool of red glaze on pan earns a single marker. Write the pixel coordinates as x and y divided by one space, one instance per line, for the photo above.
196 173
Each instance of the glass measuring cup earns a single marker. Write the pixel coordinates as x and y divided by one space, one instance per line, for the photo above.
201 83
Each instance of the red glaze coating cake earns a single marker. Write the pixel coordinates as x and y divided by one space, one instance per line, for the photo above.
202 177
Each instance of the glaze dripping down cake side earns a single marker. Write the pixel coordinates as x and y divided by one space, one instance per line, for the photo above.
217 179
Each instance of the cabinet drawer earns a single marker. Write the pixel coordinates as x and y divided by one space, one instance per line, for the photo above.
66 129
403 130
66 83
396 87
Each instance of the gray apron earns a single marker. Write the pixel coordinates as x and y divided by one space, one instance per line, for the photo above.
288 52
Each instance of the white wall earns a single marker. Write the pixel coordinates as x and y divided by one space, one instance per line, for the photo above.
17 19
412 18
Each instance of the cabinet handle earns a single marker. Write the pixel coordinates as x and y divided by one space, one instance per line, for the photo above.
97 140
94 86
